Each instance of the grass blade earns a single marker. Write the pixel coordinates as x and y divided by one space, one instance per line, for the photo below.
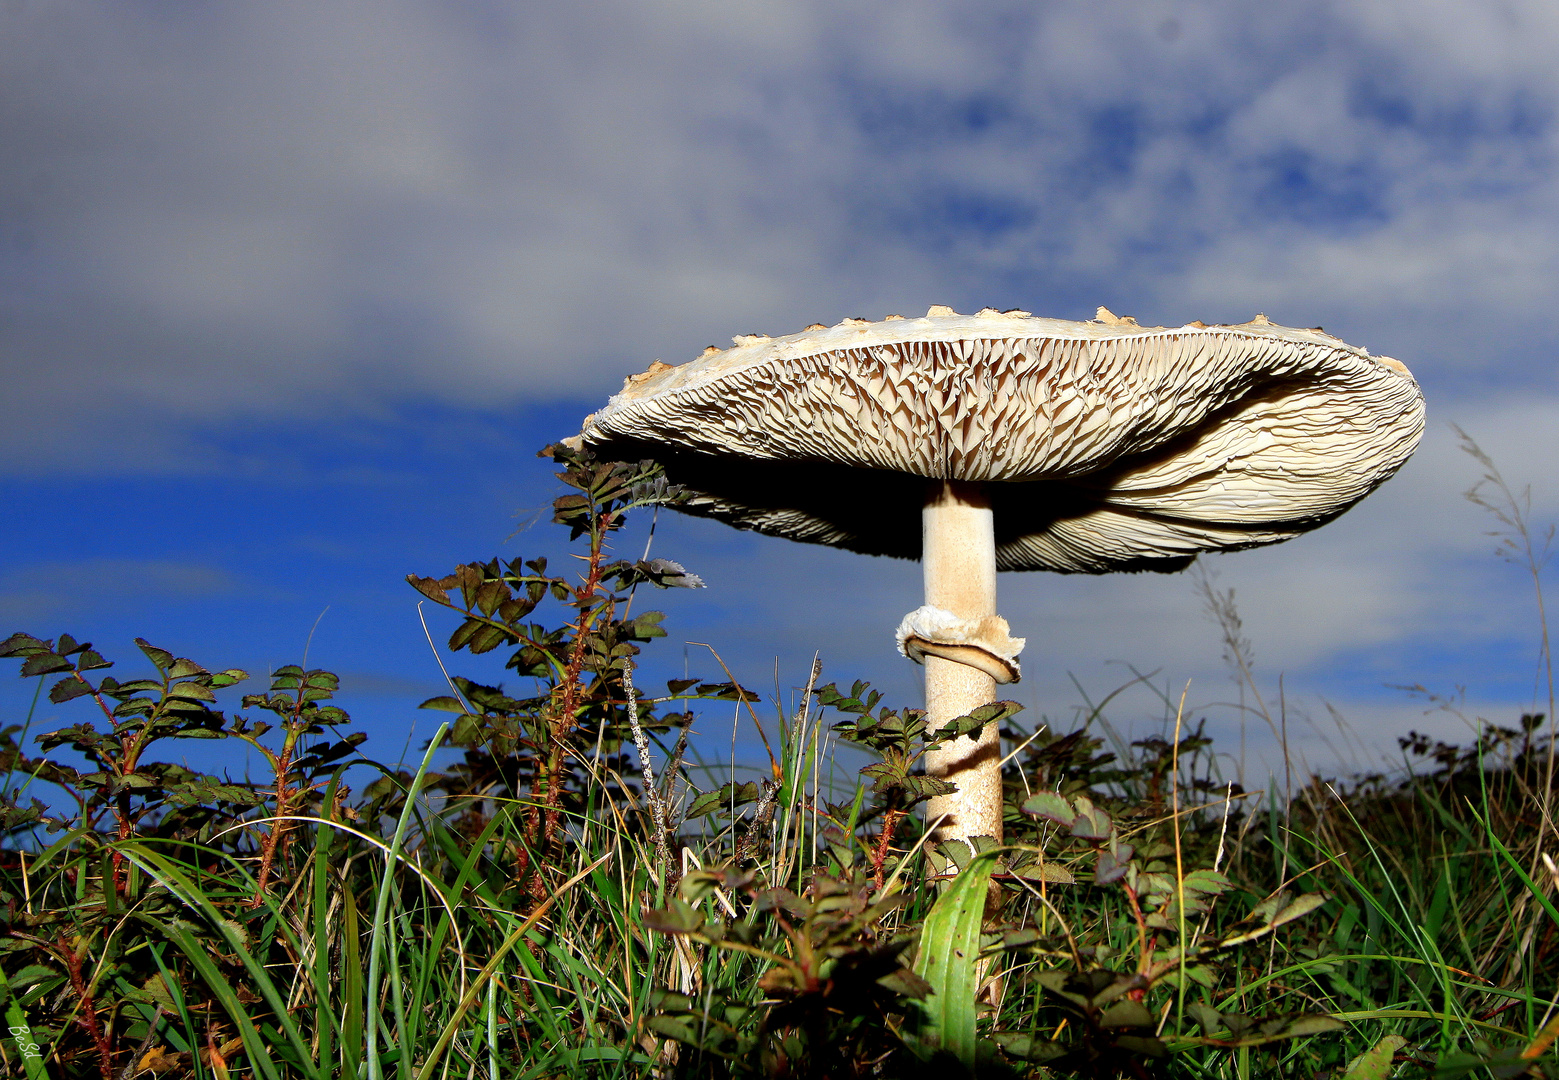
949 960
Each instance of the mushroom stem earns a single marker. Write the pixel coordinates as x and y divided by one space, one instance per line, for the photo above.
959 563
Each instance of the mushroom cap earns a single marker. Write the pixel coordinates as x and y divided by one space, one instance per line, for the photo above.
1104 445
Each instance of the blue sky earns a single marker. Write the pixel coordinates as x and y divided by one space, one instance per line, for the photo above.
290 295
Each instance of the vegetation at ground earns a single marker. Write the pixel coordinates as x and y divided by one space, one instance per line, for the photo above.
562 889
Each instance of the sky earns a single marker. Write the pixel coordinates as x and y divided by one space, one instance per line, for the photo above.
291 294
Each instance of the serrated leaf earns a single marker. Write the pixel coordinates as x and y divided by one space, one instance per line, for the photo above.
1142 1044
677 917
1245 1031
486 638
432 588
665 574
91 660
1027 1047
723 798
1305 1024
1277 915
1091 823
191 691
45 663
1127 1013
489 595
68 689
1111 867
1048 872
20 644
1300 907
726 692
1206 882
1052 806
444 703
905 983
161 658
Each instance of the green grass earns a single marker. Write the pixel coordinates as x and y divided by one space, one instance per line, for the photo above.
508 910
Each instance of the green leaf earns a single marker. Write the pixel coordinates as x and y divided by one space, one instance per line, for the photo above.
162 658
723 798
45 663
90 660
20 644
646 626
1047 872
432 588
489 595
677 917
1143 1044
444 703
1112 865
1027 1047
1276 916
1207 882
485 638
1091 823
905 983
726 692
1275 1029
1052 806
183 668
949 961
29 975
1127 1013
190 691
1375 1063
68 689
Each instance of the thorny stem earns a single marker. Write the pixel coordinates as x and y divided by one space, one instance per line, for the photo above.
275 834
129 753
890 822
88 1018
563 719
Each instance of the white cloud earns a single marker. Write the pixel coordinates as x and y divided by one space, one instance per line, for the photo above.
47 590
383 200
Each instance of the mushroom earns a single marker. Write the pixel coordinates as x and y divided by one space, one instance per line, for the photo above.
999 441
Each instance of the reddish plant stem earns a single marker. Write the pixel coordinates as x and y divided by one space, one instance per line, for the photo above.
128 753
546 799
568 695
122 812
890 822
274 834
1144 954
88 1018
